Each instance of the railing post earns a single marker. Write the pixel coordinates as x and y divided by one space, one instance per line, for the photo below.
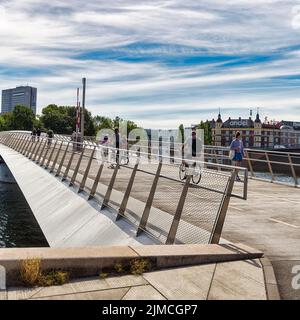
293 170
37 151
56 157
87 170
149 202
250 164
95 185
10 140
68 166
62 160
14 141
25 145
77 167
110 187
245 194
46 153
175 224
42 151
29 148
51 155
6 139
19 143
269 165
128 191
33 151
219 223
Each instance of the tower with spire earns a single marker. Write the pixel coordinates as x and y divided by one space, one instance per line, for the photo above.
257 130
218 130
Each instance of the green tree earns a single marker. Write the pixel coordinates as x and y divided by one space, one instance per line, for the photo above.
2 124
207 131
62 119
22 118
103 123
107 123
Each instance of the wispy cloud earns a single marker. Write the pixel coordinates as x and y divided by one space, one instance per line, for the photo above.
160 62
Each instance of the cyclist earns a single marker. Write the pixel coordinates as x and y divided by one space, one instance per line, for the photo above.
125 152
192 149
116 145
105 151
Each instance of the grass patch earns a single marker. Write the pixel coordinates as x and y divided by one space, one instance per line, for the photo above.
139 266
119 268
103 275
31 274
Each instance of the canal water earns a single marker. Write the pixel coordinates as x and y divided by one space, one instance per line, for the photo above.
18 226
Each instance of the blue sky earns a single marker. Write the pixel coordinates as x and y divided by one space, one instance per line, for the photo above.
158 62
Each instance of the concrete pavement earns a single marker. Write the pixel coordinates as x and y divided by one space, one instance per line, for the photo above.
237 280
270 222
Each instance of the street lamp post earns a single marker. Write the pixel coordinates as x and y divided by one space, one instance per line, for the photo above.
83 106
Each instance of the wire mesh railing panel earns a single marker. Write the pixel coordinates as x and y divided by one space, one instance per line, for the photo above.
201 209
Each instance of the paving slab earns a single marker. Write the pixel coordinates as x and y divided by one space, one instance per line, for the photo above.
240 280
183 283
21 293
143 293
90 285
113 294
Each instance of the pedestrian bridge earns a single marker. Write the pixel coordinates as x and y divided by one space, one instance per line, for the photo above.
144 201
78 201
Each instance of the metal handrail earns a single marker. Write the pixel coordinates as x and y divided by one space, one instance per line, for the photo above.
220 155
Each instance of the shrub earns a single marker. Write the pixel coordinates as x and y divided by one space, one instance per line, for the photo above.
31 275
119 268
103 275
31 271
54 278
139 266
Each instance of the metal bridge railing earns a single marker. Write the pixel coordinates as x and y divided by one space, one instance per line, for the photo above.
266 165
147 192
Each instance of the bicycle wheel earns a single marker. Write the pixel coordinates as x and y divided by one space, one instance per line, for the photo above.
182 172
197 175
125 160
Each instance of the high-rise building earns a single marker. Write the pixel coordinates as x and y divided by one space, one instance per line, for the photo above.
24 95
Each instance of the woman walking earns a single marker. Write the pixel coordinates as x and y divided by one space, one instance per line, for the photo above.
237 152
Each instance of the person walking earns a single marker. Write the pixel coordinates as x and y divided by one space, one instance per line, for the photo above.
237 152
38 133
33 135
50 135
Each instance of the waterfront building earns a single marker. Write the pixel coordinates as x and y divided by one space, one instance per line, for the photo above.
255 133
